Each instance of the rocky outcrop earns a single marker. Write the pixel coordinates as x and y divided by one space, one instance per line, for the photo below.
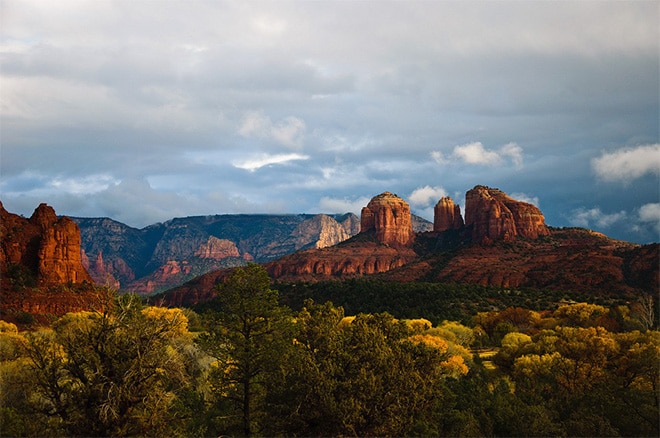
569 259
319 231
388 216
217 249
350 223
493 215
46 246
133 259
350 259
447 215
101 271
41 267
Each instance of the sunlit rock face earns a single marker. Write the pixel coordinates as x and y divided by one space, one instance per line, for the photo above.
216 249
447 215
493 215
389 217
46 245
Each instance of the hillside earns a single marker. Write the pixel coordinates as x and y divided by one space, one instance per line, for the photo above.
502 242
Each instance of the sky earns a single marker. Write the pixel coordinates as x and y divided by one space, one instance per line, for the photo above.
146 110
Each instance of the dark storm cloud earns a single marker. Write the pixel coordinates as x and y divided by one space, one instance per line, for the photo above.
140 113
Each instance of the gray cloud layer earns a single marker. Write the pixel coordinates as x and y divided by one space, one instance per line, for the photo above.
143 111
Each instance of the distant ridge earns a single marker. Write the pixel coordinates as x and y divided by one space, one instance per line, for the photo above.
165 255
502 242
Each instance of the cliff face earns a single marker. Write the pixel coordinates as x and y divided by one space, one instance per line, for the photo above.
493 215
41 266
350 223
319 231
447 215
568 259
164 255
47 247
353 258
215 248
389 217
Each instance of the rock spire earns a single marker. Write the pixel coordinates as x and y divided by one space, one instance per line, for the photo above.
447 215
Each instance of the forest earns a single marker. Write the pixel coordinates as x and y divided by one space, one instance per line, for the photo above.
283 360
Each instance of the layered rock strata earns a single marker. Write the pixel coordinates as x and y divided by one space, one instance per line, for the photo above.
389 218
493 215
45 245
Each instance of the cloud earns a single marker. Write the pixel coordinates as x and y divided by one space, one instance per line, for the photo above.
345 205
41 185
588 218
513 151
258 162
289 131
427 195
650 214
439 157
84 185
627 164
534 200
185 91
476 153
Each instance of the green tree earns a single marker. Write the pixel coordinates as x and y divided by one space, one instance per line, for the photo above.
111 374
248 338
365 376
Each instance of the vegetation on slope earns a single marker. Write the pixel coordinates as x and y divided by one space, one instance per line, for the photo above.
249 365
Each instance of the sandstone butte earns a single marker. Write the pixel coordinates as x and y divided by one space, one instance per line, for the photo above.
46 244
45 250
498 244
389 217
384 243
493 215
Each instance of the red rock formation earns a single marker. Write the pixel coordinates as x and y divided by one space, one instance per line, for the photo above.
569 259
100 271
217 249
447 215
493 215
389 216
46 246
44 251
351 224
346 260
162 277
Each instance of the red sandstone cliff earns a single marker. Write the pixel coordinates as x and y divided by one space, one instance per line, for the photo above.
44 251
389 217
493 215
349 259
44 245
447 215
